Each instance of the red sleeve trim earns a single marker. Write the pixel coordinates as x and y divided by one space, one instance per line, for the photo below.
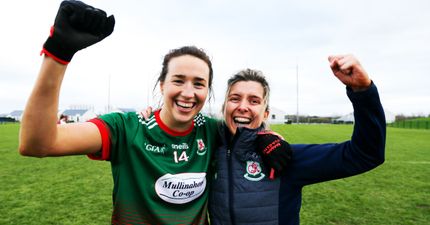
270 132
44 51
51 31
104 153
166 129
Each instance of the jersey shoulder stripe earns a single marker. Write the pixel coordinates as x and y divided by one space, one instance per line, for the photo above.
149 123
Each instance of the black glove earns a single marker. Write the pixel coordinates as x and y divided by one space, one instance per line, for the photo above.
275 152
77 26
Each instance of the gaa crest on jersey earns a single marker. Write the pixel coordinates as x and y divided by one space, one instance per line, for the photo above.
253 171
180 188
201 148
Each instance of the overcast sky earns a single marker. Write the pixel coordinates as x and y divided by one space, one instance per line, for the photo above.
391 38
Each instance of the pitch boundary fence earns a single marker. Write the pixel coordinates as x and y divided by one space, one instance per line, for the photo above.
411 124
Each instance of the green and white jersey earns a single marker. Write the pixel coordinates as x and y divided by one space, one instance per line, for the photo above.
160 176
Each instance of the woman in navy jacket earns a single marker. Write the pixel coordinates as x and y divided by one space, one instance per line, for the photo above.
242 192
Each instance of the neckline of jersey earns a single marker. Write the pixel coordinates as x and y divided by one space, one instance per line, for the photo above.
166 129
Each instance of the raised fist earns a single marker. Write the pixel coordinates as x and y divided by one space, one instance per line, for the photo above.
77 26
349 71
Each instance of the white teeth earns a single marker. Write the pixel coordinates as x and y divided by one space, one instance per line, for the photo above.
242 120
184 104
241 125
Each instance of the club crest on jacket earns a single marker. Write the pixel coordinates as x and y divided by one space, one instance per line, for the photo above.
253 171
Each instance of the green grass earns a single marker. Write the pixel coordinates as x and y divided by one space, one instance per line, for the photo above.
76 190
397 192
65 190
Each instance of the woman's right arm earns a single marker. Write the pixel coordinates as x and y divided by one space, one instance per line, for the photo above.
77 26
40 135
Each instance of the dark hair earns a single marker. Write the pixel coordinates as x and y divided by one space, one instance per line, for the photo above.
249 75
185 50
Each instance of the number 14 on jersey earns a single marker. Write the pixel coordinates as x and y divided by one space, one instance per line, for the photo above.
182 157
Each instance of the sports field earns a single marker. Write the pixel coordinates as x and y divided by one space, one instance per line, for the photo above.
76 190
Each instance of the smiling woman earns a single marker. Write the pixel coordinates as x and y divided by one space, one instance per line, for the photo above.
247 100
163 151
184 89
243 193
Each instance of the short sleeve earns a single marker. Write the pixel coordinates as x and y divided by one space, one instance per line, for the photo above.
118 129
104 153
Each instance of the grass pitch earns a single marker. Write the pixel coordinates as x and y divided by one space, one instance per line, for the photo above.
76 190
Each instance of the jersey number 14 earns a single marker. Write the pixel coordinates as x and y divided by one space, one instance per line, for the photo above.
182 157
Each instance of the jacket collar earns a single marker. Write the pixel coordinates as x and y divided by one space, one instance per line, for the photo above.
242 143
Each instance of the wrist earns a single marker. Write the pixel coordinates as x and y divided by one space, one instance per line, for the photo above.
57 51
53 62
363 87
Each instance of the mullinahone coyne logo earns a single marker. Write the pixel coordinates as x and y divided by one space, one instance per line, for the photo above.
180 188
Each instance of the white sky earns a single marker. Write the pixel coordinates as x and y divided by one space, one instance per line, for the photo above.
391 38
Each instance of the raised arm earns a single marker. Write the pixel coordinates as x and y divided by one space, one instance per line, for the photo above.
365 151
368 138
76 26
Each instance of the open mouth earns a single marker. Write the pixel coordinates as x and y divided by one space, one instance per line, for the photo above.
185 105
241 121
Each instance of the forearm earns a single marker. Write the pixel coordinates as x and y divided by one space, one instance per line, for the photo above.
39 123
369 127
